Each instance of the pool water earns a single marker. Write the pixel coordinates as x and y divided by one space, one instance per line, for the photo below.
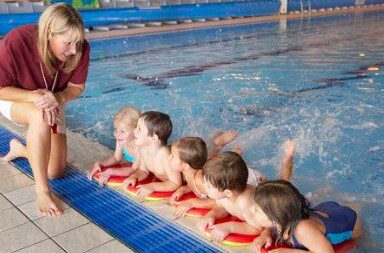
299 79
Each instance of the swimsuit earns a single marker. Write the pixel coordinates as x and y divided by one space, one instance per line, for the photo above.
127 156
338 226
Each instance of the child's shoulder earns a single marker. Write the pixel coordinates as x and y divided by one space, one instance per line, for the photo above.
245 199
303 227
164 152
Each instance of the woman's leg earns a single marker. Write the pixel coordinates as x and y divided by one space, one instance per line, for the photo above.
58 157
38 152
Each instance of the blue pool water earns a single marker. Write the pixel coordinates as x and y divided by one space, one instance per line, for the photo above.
299 79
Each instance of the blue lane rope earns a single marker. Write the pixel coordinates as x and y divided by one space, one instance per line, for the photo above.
134 225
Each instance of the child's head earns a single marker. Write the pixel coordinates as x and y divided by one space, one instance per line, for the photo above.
225 174
279 204
125 122
153 127
188 152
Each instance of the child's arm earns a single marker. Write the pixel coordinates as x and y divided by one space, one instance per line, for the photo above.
220 231
120 172
174 180
209 219
187 205
264 240
139 175
116 158
179 193
113 160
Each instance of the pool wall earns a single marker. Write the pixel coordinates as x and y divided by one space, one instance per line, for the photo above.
104 17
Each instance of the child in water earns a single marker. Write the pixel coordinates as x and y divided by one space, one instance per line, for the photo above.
124 123
280 207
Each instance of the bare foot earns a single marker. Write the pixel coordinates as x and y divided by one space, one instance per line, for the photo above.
238 150
286 169
289 148
16 149
222 138
46 205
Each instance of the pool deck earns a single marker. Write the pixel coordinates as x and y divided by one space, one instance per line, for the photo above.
220 23
22 229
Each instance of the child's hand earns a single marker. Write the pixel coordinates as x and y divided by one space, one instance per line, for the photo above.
96 168
144 191
176 196
183 208
219 232
263 240
205 222
132 180
104 176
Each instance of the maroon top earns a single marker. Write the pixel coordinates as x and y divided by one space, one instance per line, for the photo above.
20 62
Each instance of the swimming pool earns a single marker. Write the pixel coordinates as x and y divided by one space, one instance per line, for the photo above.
299 79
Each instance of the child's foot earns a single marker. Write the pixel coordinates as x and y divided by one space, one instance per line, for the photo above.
222 138
238 150
286 169
16 149
46 205
289 148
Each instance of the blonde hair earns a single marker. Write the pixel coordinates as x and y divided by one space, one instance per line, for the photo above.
58 19
128 116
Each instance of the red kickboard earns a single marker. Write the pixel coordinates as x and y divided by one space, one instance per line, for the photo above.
153 196
114 179
234 239
194 212
343 247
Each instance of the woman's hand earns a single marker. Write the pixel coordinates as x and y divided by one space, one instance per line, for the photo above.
47 101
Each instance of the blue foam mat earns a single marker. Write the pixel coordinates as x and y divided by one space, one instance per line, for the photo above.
132 224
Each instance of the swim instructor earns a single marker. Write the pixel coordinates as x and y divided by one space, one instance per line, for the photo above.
42 67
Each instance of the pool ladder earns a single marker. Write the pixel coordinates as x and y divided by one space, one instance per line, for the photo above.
304 7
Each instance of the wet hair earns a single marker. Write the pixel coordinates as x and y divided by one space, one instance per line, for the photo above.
192 151
283 204
128 116
226 170
158 123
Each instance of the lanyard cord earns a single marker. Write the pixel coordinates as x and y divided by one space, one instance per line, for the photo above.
45 80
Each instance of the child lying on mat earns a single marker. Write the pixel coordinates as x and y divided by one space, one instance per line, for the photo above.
225 180
315 229
188 155
151 136
124 123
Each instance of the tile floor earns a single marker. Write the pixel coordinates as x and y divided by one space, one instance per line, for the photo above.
22 229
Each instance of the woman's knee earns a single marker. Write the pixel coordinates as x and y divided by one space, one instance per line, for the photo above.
56 172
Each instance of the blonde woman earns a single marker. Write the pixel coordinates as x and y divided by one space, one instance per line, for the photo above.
42 67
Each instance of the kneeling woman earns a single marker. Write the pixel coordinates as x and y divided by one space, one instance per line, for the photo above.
42 67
